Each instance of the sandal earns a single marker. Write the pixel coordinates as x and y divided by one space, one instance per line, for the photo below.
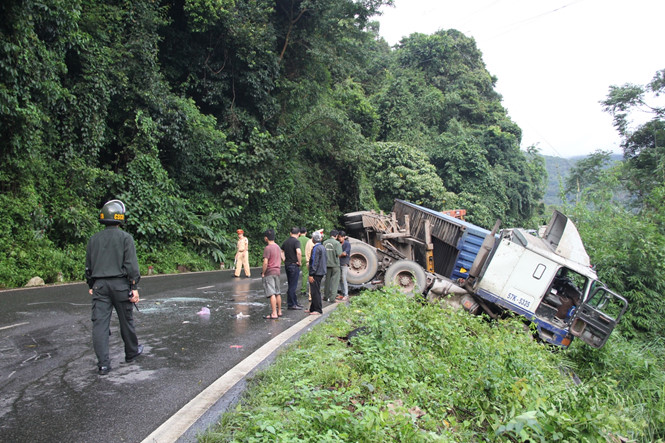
270 317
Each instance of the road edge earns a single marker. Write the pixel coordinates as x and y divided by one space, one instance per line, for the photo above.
187 417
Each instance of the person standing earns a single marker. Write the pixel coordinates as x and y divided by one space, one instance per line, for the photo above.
308 254
304 272
112 274
334 250
344 261
292 257
270 272
317 269
242 254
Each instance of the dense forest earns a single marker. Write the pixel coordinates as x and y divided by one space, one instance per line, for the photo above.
205 116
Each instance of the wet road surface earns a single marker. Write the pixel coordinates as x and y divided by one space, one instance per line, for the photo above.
49 387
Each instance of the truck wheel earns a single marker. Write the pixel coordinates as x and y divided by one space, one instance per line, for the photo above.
354 226
350 217
407 275
363 264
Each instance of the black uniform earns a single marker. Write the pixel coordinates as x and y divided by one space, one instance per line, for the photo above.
112 272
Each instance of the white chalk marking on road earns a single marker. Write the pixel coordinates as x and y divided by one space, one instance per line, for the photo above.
10 375
14 325
182 420
205 287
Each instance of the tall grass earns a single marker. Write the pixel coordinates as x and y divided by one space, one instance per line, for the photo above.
634 374
421 372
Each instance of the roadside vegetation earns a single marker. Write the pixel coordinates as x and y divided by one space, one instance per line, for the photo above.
423 372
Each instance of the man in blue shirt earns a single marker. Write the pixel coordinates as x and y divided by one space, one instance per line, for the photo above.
317 269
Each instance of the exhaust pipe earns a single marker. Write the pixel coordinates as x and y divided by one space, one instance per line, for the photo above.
445 287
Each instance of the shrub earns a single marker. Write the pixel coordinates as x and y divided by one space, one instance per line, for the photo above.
420 372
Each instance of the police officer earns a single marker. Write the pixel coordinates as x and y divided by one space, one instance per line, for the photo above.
112 273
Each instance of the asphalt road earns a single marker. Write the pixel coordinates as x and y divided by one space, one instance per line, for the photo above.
49 386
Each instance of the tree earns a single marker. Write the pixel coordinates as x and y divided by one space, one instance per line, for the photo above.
643 144
587 173
628 250
401 171
452 63
439 98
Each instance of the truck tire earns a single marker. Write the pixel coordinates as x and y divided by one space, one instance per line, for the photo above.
354 226
408 275
363 264
350 217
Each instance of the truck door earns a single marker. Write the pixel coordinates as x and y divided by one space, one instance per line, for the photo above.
596 318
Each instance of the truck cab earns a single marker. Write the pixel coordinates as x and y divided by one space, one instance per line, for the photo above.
560 294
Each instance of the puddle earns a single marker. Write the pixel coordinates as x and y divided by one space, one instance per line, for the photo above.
179 300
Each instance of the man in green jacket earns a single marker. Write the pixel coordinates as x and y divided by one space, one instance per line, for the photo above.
333 251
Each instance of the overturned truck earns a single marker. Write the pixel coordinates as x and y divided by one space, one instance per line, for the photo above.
546 277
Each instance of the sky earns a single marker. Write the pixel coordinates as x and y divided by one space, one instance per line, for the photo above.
555 60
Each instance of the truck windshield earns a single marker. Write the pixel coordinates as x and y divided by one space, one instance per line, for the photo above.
603 300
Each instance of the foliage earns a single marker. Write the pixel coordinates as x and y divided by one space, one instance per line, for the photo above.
206 115
440 98
643 144
401 171
629 252
207 234
632 367
586 173
619 212
451 62
172 258
421 372
352 99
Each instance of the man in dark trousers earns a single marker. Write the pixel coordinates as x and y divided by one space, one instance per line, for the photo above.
317 269
112 273
292 257
334 251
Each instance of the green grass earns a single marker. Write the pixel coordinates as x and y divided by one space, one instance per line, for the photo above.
421 372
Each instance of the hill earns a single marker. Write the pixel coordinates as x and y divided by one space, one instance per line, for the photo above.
557 172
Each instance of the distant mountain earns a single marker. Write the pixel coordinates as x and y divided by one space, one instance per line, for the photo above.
557 171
